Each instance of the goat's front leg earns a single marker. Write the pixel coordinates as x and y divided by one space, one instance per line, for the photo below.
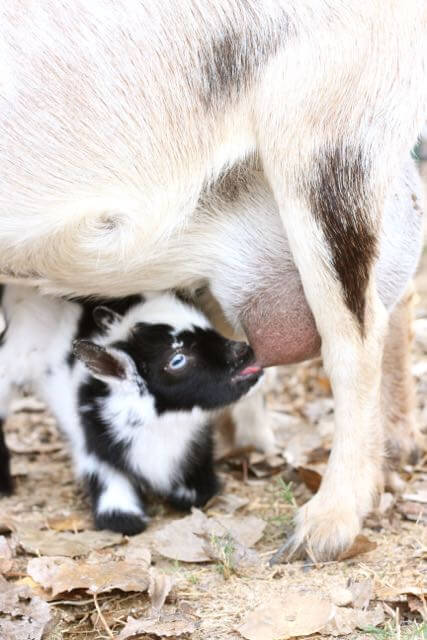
332 225
116 502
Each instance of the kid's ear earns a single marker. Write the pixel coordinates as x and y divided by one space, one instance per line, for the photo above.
105 317
104 363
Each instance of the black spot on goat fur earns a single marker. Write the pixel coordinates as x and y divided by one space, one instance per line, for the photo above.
97 433
340 203
232 59
87 326
198 471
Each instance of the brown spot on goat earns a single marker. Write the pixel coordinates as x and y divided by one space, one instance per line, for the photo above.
339 201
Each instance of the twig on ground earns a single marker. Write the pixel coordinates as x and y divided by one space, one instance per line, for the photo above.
101 617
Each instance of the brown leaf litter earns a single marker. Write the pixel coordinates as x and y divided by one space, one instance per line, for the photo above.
184 539
165 626
50 543
23 616
299 614
62 575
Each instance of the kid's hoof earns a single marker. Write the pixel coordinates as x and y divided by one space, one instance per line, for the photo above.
129 524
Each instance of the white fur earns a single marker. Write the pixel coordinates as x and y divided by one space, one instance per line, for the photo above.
157 443
327 82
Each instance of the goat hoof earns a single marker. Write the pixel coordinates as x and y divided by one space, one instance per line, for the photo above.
129 524
321 533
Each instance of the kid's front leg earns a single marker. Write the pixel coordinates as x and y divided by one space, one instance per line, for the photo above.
116 503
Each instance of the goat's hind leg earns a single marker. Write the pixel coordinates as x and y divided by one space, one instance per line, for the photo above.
6 482
331 221
403 441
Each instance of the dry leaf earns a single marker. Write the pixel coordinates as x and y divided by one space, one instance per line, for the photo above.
296 614
361 544
164 626
317 455
50 543
413 511
232 556
419 496
362 592
183 539
60 575
229 503
35 588
345 620
418 604
23 616
134 551
5 555
158 589
310 478
265 465
73 522
395 593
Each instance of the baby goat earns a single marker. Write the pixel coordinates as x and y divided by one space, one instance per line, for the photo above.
132 385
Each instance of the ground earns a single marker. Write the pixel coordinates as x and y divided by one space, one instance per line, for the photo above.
94 581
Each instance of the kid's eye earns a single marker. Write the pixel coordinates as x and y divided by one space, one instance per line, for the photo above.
178 361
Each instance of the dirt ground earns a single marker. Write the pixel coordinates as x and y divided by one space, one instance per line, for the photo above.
207 576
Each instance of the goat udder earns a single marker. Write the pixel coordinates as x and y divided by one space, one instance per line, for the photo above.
282 335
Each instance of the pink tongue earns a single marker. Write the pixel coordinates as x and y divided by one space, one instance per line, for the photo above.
250 370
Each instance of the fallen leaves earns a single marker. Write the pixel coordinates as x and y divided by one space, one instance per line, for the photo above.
62 575
310 477
231 555
413 504
166 626
346 620
362 592
72 522
184 539
302 613
51 543
23 616
297 614
159 587
361 544
415 511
